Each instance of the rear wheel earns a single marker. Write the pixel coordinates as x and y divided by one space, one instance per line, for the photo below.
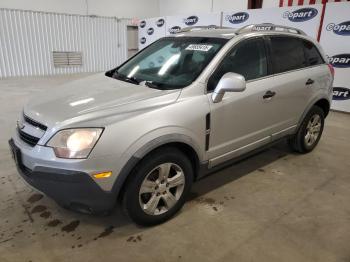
158 187
310 131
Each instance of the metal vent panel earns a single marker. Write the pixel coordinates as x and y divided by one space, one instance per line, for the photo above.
67 59
28 39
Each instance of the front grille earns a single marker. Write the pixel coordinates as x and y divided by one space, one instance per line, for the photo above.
31 140
34 123
30 131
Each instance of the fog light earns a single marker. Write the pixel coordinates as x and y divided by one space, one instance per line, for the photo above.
103 175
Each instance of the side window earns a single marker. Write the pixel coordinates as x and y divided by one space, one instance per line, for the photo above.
312 54
287 54
248 59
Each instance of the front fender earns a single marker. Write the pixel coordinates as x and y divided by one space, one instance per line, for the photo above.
151 141
166 139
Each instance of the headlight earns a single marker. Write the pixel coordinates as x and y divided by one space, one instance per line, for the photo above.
74 143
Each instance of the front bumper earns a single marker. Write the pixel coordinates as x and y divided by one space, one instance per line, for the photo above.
72 189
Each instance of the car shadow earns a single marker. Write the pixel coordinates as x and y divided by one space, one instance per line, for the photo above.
239 169
82 229
100 226
210 182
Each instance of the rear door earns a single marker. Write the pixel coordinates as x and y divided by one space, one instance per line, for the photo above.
293 81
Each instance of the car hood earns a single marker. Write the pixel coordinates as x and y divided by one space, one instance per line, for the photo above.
93 97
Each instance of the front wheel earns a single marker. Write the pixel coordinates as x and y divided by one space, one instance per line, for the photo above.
310 131
158 187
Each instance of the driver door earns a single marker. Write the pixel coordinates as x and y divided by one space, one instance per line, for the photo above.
242 121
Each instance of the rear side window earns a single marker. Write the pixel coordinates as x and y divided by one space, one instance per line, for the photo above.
287 54
248 59
313 56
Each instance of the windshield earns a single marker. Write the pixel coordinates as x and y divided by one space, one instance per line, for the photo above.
170 62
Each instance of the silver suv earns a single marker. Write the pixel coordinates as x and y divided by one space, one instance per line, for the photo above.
181 108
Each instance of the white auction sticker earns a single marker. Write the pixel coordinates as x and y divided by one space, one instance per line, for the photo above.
204 48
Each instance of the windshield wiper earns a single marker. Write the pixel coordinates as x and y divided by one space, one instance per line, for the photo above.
151 85
132 80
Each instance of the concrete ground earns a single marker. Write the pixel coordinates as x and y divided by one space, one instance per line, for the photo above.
275 206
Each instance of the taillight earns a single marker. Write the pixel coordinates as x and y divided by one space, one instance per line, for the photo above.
331 68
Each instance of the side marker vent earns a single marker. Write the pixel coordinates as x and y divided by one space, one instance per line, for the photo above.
207 131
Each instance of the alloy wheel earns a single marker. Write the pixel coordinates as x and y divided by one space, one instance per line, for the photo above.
161 189
313 130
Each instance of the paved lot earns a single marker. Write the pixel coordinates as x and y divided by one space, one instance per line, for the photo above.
275 206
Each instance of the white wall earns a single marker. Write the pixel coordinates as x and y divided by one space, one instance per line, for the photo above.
270 3
128 8
230 5
172 7
28 40
124 8
119 8
59 6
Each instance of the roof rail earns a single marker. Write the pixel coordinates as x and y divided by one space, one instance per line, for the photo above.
196 28
269 27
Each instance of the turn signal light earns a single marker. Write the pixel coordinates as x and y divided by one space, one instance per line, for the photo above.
103 175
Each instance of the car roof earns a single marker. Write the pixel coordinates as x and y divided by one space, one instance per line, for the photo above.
228 33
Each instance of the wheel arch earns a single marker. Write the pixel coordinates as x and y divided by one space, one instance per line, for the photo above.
324 105
319 101
179 142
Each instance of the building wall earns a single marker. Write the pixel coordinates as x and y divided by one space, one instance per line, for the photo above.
119 8
171 7
58 6
124 8
28 40
270 3
86 26
229 5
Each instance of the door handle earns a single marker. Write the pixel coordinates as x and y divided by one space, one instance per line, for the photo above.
269 94
309 82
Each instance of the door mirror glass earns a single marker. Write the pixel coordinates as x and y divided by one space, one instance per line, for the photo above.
230 82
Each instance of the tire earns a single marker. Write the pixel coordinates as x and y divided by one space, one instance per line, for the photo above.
151 184
306 139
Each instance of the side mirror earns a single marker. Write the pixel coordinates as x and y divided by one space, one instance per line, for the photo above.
230 82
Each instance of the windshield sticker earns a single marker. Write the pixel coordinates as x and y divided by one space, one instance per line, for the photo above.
204 48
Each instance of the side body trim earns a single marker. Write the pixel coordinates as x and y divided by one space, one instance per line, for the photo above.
205 169
237 152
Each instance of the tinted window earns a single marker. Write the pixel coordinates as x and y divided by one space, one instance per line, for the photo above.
312 54
247 59
287 54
